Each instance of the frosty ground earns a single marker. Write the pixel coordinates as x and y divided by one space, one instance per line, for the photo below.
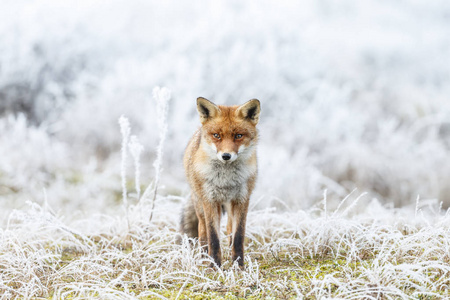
355 251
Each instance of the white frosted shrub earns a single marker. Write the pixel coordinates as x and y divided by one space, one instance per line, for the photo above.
369 115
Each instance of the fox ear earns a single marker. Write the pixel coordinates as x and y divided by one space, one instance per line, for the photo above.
250 110
206 109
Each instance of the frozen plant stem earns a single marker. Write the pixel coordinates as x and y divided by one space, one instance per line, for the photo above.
136 149
162 97
417 206
125 131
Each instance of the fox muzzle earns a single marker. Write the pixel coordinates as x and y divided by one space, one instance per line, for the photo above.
227 157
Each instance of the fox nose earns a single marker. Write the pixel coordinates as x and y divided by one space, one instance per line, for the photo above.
226 156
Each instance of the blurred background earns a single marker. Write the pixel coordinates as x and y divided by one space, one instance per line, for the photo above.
355 95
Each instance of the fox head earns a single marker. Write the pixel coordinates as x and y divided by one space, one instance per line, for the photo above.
229 131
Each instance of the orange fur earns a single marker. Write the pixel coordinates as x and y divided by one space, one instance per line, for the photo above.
221 168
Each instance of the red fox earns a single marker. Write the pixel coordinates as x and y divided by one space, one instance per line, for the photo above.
221 168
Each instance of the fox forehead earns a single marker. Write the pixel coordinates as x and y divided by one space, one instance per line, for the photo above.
226 122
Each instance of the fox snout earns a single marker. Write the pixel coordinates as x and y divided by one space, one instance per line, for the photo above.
226 156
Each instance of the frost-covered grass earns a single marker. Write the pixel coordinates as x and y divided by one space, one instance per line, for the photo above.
359 249
363 251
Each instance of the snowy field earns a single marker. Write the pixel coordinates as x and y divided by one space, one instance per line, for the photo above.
354 156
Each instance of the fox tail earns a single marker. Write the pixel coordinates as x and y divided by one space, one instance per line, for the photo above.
189 220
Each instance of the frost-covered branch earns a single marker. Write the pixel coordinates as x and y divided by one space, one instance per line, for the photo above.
162 97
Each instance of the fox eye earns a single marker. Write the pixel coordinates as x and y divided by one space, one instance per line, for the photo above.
238 136
216 135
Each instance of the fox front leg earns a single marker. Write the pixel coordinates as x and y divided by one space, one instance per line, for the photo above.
202 236
212 224
238 221
229 227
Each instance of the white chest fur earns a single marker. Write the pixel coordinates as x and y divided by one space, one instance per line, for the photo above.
226 182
